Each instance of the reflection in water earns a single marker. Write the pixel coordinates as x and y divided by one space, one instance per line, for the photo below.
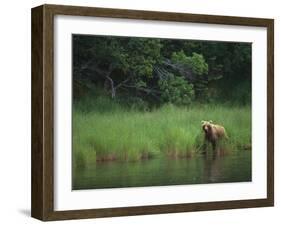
163 171
212 167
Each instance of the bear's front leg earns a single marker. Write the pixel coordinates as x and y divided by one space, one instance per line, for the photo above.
214 145
204 148
215 149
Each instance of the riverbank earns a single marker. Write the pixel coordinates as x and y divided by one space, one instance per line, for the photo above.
120 134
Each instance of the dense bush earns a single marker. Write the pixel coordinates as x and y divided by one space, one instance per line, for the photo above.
176 90
196 62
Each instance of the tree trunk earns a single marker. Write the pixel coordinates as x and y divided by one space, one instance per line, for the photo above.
113 91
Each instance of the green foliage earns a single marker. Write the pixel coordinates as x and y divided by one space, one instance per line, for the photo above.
132 66
129 55
176 90
199 67
143 54
241 93
196 62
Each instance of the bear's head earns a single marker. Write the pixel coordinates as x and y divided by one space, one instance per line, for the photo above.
207 126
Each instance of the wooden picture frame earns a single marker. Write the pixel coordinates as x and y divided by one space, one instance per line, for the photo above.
42 205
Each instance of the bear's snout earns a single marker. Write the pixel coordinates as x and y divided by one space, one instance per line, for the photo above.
205 128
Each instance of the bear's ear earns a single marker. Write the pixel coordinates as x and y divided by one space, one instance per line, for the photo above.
202 122
211 121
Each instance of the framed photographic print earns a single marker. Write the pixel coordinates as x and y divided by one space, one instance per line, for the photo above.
141 112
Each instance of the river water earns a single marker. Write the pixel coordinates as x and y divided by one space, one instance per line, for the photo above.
164 171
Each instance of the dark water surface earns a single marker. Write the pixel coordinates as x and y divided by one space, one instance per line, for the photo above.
163 171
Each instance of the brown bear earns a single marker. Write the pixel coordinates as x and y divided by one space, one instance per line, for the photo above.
213 133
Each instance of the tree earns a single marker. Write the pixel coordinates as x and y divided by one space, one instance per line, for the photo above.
176 90
122 62
153 70
197 64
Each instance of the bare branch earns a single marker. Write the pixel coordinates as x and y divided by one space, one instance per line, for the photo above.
182 69
147 90
123 82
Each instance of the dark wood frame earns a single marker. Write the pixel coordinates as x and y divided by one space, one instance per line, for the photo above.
42 203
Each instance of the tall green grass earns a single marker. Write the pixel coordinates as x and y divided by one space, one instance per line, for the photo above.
103 130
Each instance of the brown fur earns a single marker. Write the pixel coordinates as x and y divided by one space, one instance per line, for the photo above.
213 133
